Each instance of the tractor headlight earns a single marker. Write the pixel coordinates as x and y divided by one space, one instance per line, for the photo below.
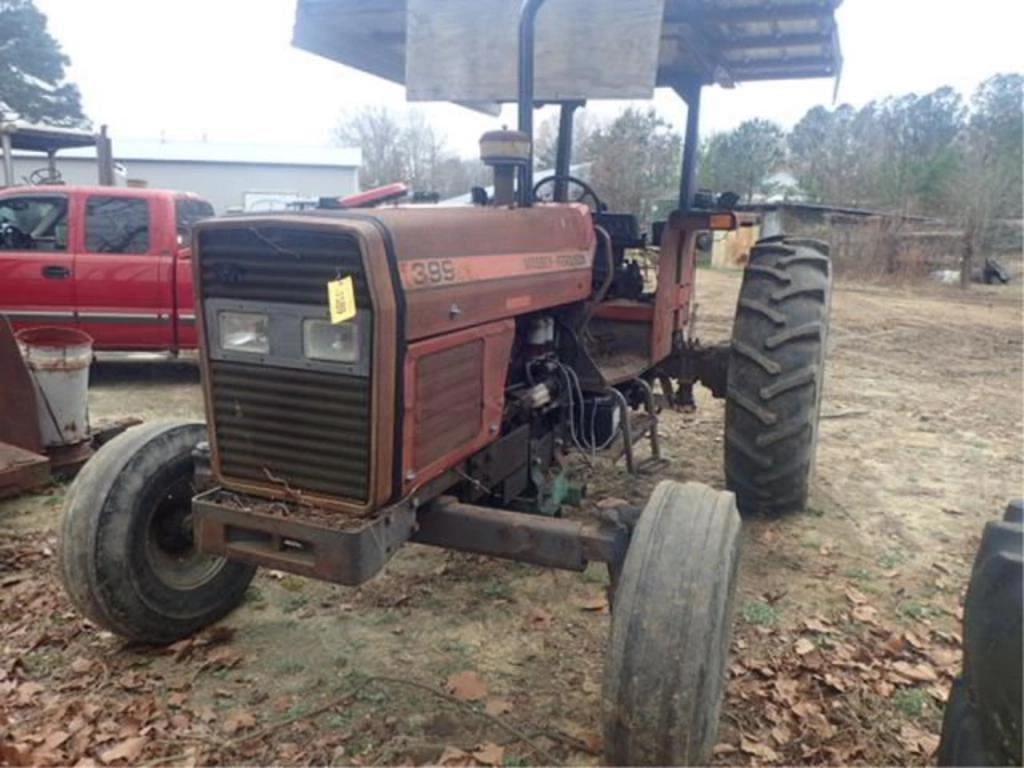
336 343
244 332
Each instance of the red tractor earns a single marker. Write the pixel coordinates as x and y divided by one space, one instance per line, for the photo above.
419 373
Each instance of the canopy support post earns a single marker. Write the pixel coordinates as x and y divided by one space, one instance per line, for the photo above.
689 91
527 17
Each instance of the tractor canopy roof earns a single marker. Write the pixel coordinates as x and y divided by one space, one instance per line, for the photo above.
465 50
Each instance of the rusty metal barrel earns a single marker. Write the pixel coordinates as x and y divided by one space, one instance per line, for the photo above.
59 359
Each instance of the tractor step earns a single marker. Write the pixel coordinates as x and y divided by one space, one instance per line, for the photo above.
637 426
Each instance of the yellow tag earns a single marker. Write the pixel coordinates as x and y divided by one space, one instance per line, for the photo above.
341 298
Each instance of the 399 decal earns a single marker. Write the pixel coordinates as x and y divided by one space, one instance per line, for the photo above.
432 271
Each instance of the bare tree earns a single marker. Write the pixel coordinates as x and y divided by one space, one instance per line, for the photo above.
396 146
635 162
545 143
991 178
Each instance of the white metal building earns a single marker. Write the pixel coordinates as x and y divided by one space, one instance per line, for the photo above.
230 176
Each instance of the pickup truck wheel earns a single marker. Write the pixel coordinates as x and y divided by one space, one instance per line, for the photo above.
775 375
665 674
127 558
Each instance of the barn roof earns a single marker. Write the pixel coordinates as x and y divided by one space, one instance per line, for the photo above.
218 152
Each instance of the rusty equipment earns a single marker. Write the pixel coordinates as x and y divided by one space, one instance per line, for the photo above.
35 444
419 374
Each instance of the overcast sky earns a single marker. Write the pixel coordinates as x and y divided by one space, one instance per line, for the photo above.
225 69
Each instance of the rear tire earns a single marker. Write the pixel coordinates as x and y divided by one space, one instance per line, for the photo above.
127 558
671 623
983 721
776 372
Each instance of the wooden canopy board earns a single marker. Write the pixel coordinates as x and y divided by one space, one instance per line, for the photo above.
465 50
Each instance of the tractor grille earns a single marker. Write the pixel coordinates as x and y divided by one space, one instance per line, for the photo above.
309 429
306 428
275 264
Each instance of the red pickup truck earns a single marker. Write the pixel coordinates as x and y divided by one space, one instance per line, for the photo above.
113 262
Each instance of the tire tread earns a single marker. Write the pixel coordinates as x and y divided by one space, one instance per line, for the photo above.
776 374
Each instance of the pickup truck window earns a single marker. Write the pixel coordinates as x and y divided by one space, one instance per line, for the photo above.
117 225
34 223
188 211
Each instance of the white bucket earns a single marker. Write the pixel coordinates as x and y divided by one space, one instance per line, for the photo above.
59 359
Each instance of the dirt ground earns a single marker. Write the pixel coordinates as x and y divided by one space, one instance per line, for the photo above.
846 632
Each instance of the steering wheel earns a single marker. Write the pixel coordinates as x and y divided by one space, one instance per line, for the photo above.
586 191
12 238
44 176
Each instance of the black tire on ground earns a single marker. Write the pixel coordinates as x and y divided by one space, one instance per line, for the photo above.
671 624
983 720
776 373
127 558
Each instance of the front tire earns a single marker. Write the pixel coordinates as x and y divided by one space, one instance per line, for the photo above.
127 559
671 623
776 373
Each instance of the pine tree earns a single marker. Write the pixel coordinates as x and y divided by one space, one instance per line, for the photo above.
32 85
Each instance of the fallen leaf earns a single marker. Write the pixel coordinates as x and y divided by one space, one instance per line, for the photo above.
819 625
128 750
15 754
498 707
938 693
803 646
81 665
223 656
786 691
489 754
467 686
215 635
918 673
895 645
28 691
182 648
591 742
723 749
540 619
865 614
597 604
130 681
453 756
916 740
834 681
238 720
55 739
757 749
855 597
781 735
806 709
944 658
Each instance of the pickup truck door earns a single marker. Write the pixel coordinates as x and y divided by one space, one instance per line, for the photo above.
36 281
123 283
